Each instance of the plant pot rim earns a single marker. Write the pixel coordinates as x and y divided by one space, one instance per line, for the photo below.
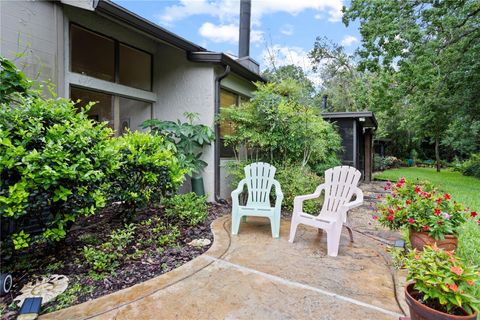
434 311
449 236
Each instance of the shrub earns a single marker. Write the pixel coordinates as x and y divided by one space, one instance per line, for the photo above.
443 279
293 179
189 208
13 82
469 248
53 166
106 257
471 167
420 208
148 170
189 139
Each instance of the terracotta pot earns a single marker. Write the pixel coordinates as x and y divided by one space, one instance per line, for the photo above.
421 239
419 311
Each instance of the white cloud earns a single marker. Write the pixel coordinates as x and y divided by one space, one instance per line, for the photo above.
278 56
227 11
348 41
226 33
287 30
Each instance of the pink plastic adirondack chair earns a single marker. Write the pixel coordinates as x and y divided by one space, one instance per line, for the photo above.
340 186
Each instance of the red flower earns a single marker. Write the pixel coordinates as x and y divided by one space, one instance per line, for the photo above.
440 222
390 217
389 184
402 180
417 189
439 200
478 221
437 212
473 214
425 228
470 282
409 202
453 287
411 221
457 270
447 196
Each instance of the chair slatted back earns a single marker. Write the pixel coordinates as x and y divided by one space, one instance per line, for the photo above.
260 176
340 183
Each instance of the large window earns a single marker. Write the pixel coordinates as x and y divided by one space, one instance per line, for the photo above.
228 99
103 108
104 58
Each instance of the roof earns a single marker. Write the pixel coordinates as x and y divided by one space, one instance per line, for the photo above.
195 52
366 118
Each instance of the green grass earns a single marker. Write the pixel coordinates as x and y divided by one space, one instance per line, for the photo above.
462 188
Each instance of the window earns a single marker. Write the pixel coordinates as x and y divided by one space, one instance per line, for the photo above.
103 108
135 68
104 58
228 99
92 54
133 113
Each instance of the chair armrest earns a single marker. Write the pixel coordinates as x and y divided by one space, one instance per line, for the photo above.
298 201
239 189
356 203
278 193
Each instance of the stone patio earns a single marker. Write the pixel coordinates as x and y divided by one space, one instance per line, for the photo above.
252 276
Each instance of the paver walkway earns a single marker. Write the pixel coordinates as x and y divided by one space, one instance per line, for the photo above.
252 276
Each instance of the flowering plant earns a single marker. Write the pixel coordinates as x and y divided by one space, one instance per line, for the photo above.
420 208
444 282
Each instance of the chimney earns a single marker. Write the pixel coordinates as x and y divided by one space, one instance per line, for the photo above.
244 36
324 103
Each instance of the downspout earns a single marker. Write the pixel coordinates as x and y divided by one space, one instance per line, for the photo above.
216 175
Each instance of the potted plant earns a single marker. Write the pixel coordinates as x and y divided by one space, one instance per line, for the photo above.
441 287
190 139
431 216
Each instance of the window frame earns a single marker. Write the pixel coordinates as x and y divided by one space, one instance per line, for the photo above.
116 56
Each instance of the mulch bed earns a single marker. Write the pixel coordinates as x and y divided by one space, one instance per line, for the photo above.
67 258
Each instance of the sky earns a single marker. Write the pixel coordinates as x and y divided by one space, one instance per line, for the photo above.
283 29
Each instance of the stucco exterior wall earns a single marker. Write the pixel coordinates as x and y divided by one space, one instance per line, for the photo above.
35 30
185 86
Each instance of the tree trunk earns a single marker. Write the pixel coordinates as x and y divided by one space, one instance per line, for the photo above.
437 152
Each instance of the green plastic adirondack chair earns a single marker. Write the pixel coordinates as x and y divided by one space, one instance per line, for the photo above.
259 178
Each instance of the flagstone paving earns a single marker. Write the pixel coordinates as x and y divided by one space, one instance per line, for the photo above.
253 276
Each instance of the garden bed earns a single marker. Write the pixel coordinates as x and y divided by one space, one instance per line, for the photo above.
153 250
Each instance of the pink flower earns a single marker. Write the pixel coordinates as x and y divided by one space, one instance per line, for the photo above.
446 215
411 221
457 270
425 228
470 282
440 222
453 287
375 217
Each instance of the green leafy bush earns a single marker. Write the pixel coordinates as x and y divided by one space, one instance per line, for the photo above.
469 248
189 139
53 165
277 126
471 167
294 179
107 256
148 170
12 81
189 208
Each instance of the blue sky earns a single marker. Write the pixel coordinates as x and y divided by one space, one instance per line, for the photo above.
282 29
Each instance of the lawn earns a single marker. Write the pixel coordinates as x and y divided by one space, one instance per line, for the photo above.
462 188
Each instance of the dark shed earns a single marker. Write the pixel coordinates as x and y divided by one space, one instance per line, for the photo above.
356 130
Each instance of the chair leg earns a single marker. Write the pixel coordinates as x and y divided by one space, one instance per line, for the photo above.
349 229
275 224
244 219
333 239
235 224
293 230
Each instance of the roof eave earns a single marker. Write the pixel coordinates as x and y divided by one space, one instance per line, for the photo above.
223 59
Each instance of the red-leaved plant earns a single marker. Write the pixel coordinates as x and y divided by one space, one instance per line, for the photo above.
420 208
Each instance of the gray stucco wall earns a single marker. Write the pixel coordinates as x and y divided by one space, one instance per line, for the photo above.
33 29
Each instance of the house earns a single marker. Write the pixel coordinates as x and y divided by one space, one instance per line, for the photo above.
356 130
136 70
